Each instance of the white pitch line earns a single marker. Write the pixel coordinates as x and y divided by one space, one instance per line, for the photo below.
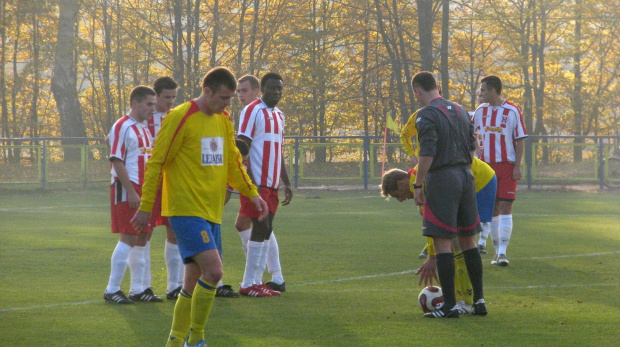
337 280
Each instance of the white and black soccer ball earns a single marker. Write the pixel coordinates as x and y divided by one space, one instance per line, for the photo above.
429 298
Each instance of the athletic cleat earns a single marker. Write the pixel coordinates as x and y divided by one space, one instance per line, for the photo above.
173 294
480 308
482 249
494 261
423 254
443 312
254 290
146 296
268 289
502 260
202 343
117 298
277 287
463 308
226 291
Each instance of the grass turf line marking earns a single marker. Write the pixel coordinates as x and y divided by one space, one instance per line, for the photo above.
88 302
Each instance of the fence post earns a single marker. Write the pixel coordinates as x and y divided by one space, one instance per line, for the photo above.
528 161
43 165
296 163
601 164
365 159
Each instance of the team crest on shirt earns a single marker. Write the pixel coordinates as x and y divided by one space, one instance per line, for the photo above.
212 151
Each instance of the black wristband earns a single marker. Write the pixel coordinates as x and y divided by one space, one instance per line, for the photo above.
417 186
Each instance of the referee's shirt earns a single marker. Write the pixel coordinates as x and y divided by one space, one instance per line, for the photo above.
445 133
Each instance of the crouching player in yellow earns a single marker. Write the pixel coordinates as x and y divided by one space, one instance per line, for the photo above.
399 184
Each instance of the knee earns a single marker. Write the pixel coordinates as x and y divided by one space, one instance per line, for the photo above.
213 275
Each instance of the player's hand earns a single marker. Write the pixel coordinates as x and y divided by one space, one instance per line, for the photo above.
261 206
419 197
140 220
288 196
428 271
134 199
516 173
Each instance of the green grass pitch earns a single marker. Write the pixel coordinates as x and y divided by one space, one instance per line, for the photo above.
348 260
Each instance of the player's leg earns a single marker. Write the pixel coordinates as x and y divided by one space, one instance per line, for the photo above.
505 230
443 194
118 265
506 193
121 215
204 270
485 199
273 265
244 228
174 264
204 293
181 316
137 266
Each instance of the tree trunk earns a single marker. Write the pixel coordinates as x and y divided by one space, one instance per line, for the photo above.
64 80
425 31
577 101
177 50
445 33
3 97
216 32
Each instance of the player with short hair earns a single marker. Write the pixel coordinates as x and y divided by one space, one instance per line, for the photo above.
165 94
261 125
130 148
500 128
447 142
196 157
248 91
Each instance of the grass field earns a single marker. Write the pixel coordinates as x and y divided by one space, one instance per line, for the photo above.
348 260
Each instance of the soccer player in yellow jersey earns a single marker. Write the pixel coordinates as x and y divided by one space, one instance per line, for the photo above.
195 158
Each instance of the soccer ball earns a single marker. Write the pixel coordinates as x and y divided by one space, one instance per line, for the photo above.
429 298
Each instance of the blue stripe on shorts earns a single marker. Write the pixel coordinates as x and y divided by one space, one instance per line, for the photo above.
485 198
195 235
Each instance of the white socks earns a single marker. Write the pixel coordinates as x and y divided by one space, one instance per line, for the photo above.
174 266
273 261
118 267
136 266
505 231
252 260
262 263
245 238
147 265
495 233
486 230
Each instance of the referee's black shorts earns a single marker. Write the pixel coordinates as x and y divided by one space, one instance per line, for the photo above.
450 208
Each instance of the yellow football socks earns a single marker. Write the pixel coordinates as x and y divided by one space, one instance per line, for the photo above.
202 301
180 320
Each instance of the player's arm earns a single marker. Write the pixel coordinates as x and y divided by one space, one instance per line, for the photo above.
427 136
121 173
288 192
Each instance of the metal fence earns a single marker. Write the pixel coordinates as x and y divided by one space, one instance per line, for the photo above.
350 161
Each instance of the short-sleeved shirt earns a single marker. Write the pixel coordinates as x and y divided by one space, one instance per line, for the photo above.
265 127
445 133
497 128
130 141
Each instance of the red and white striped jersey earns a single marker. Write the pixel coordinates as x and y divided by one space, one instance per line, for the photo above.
265 127
130 142
154 124
497 129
